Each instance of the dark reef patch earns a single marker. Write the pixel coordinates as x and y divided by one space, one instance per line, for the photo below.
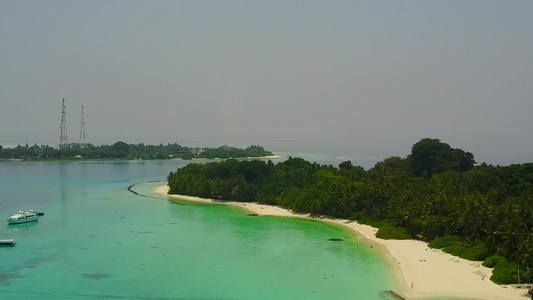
95 276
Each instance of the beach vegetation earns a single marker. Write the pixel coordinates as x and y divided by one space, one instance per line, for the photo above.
436 194
455 245
393 233
492 261
444 241
456 249
477 252
505 273
377 224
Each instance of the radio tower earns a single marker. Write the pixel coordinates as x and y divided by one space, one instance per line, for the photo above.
63 140
82 129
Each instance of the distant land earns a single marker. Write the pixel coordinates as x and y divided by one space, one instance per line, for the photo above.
123 151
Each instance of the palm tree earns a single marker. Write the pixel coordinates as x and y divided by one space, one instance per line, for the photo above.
525 250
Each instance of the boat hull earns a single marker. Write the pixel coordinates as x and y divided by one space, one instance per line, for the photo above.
12 222
7 243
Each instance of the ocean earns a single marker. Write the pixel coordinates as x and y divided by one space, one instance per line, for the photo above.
98 240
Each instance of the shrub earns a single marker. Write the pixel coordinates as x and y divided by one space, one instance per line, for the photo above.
455 249
505 273
356 216
444 241
386 230
379 224
477 252
393 233
368 221
266 198
492 261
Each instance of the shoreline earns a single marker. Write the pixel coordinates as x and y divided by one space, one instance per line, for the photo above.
420 271
238 158
75 159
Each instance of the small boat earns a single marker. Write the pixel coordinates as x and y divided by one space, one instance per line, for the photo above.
23 217
10 242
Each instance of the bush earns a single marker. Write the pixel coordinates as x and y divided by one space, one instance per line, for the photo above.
505 273
477 252
368 221
386 230
393 233
266 198
356 216
494 260
444 241
455 249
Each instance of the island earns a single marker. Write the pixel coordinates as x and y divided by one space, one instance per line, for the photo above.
123 151
454 228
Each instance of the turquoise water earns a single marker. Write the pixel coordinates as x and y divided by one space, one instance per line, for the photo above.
97 240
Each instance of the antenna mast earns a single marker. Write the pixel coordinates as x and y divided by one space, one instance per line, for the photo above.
82 129
63 140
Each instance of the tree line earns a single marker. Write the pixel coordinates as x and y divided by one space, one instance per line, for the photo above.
124 151
436 193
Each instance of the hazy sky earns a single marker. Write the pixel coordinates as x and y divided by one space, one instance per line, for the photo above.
373 76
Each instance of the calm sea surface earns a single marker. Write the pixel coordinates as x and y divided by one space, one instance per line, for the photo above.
97 240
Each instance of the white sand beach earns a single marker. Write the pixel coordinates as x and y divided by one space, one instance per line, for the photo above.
423 272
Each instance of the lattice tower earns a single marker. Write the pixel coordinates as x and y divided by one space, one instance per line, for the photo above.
63 140
82 129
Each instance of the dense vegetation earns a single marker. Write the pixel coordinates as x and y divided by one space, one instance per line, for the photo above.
121 150
435 194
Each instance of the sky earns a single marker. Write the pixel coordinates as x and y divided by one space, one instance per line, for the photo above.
367 78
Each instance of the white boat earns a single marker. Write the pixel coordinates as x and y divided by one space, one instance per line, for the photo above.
23 217
10 242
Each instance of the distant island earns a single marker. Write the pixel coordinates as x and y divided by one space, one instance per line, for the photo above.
123 151
435 194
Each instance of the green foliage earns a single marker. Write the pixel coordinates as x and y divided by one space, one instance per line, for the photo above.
444 242
227 152
427 227
385 229
377 224
393 233
431 156
455 249
187 155
328 177
392 163
304 200
345 165
505 273
455 246
356 216
492 261
266 198
477 252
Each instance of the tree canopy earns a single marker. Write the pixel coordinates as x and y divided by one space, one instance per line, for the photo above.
431 156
